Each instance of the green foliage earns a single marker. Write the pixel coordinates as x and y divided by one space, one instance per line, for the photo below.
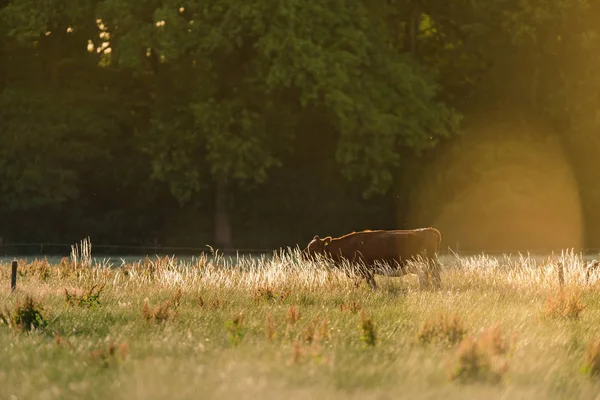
250 58
236 141
172 97
32 186
44 147
89 299
27 20
26 316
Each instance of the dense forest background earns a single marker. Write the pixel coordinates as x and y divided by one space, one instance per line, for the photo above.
259 123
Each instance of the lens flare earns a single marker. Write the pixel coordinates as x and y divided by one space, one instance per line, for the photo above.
507 187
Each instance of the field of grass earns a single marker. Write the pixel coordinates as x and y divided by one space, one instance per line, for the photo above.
279 328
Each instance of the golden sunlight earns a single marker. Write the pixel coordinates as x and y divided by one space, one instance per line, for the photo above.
508 188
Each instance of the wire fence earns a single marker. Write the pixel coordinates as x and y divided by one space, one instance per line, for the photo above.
50 248
64 249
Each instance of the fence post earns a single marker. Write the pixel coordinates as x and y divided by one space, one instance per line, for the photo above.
13 276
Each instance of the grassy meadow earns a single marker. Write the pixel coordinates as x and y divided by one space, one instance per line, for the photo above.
277 328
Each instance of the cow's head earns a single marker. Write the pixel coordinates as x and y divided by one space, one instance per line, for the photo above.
316 246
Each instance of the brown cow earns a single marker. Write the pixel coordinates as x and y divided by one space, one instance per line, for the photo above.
382 252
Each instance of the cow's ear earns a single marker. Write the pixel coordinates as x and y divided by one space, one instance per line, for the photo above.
327 240
316 237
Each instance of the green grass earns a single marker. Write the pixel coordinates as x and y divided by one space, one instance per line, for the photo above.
277 328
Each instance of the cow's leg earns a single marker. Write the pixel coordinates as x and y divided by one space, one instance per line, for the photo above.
422 275
366 271
429 257
434 268
353 274
371 281
423 269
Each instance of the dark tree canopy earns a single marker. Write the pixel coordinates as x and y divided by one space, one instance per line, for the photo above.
261 123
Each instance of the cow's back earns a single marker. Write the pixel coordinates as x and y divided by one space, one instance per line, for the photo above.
385 245
381 245
430 238
371 246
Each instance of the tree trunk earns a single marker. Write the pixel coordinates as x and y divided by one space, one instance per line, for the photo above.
222 223
406 182
405 176
412 29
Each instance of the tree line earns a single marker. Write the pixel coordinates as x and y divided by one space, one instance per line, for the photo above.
258 124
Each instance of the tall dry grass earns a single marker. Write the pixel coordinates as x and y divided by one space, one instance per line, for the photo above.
285 270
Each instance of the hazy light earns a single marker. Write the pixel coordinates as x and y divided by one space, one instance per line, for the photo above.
69 30
507 187
90 46
160 23
181 9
